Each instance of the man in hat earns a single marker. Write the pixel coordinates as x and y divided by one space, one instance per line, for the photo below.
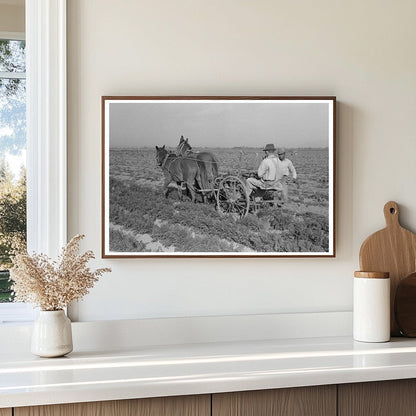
286 169
268 172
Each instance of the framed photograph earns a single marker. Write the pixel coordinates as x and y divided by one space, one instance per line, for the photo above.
218 176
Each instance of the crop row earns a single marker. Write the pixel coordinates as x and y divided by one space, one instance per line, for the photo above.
199 227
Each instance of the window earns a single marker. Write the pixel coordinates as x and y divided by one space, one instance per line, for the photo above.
12 155
46 134
12 165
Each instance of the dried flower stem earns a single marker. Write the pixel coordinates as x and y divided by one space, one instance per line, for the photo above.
53 285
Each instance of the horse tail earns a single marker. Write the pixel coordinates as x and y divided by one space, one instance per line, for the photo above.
209 167
204 175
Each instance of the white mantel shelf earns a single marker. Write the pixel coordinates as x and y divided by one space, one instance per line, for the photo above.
151 371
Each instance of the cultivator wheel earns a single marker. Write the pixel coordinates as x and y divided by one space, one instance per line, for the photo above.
232 196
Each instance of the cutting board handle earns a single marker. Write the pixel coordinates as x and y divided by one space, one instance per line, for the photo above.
391 214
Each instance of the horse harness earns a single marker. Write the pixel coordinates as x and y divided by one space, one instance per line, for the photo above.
162 165
167 168
165 159
180 156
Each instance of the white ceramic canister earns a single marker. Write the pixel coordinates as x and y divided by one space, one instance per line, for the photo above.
371 310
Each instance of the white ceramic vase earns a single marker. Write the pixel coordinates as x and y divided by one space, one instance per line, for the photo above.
52 334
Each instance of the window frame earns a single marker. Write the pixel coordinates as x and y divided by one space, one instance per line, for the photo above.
46 125
46 138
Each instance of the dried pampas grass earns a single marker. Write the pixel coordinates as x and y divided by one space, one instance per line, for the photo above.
53 285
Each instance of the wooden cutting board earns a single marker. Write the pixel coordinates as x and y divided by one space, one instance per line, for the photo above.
393 250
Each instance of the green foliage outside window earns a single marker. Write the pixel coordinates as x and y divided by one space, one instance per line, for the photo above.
12 146
12 224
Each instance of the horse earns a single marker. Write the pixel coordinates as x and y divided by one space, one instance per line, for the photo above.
208 164
179 170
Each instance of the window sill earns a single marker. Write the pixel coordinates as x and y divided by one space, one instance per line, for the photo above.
16 313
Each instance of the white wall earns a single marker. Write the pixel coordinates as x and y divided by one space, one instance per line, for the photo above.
361 51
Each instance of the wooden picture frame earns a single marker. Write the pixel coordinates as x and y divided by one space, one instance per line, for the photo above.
206 153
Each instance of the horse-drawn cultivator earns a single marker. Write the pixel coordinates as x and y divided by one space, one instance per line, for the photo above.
228 192
232 196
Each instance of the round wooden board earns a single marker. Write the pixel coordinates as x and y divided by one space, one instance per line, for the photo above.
405 305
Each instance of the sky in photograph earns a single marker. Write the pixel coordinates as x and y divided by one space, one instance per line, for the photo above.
219 124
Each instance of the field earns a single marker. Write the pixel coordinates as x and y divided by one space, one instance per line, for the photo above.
143 220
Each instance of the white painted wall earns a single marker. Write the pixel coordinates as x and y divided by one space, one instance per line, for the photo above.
361 51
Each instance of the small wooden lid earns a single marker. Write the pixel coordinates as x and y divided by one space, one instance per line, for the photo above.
372 275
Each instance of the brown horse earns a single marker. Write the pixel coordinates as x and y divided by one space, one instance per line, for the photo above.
207 162
179 170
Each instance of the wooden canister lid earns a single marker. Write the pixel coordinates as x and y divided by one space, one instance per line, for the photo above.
372 275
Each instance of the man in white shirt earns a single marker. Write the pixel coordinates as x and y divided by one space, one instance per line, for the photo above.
269 172
286 169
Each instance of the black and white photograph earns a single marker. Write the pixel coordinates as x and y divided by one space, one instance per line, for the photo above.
218 176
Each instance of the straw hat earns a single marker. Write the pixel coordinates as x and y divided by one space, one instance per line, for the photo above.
269 147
